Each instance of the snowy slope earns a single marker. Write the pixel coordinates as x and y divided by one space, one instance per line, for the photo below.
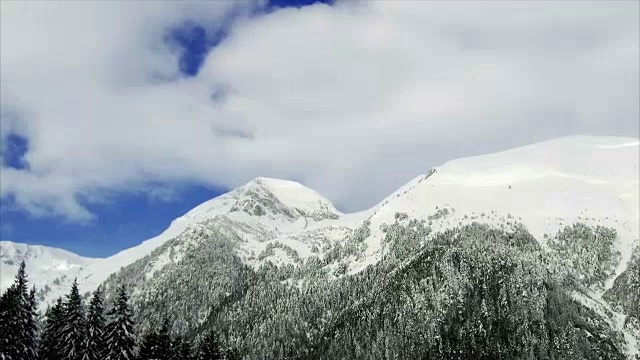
594 180
544 186
44 264
287 210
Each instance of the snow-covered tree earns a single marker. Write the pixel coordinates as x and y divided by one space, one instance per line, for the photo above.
181 349
209 347
18 328
73 332
157 345
230 354
95 342
149 348
50 344
31 326
119 336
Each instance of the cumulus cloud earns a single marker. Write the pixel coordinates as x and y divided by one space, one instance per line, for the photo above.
352 100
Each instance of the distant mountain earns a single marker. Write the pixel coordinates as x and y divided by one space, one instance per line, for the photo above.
275 244
50 269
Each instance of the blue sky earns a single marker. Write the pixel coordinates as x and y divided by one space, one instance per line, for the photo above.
126 218
118 117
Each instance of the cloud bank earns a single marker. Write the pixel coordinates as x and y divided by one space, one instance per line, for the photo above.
352 100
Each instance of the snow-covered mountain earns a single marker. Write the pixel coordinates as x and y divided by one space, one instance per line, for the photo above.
47 266
544 186
593 180
264 208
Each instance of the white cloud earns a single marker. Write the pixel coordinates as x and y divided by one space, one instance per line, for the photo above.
353 100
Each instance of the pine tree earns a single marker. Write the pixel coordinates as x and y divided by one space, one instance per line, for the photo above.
181 349
50 346
31 326
18 328
95 344
231 354
209 348
149 347
9 315
74 325
164 341
119 336
157 345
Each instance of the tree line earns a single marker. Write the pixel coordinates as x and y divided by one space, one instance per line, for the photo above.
473 292
73 330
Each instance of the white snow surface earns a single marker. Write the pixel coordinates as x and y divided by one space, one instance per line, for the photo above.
44 264
545 186
294 195
594 180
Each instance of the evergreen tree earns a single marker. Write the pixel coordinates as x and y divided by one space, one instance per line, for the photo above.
119 336
18 329
149 347
95 344
157 345
50 346
209 347
73 332
231 354
181 349
164 340
9 315
31 326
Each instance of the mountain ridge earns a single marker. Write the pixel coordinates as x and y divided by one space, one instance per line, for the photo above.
569 170
619 142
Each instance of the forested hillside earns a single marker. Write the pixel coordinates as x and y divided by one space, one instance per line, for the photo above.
471 292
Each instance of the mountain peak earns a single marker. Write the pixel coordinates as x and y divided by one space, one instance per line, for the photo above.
276 197
274 183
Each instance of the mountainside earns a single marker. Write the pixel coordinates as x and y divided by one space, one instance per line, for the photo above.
50 267
263 209
594 180
276 247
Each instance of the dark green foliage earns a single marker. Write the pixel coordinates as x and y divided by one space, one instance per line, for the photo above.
181 349
95 341
405 239
270 251
185 291
312 309
31 327
50 344
149 348
73 331
439 214
209 347
471 293
353 245
119 335
18 327
588 252
7 309
625 292
157 345
231 354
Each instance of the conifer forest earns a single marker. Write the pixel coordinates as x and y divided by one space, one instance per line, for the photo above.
472 292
